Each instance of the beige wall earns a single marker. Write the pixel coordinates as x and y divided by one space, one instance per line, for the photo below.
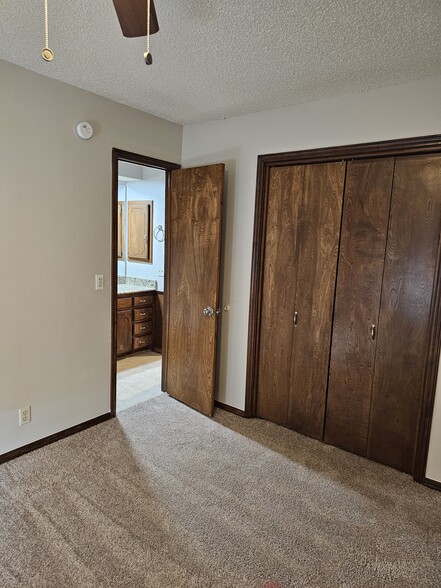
401 111
55 211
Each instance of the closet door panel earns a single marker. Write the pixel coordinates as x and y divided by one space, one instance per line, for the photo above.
411 255
357 302
279 284
317 261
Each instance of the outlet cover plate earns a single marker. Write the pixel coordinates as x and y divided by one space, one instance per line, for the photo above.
24 415
99 282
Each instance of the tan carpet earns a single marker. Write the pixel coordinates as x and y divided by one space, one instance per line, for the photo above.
164 497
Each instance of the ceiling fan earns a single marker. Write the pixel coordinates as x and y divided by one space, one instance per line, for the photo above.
132 17
138 19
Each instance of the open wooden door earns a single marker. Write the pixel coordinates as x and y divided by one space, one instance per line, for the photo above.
194 218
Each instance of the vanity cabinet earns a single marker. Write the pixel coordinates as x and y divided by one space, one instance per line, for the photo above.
124 332
134 323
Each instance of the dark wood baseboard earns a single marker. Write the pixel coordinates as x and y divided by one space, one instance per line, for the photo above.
229 408
55 437
432 484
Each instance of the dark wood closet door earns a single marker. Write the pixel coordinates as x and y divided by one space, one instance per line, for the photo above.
411 255
357 302
319 231
279 284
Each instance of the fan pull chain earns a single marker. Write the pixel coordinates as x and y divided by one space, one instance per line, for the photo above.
46 53
147 55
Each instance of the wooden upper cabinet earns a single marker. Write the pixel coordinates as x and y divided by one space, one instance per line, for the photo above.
140 231
120 230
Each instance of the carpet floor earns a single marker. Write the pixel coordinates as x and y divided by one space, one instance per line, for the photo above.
165 497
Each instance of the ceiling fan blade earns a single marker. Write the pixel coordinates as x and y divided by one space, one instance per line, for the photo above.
132 17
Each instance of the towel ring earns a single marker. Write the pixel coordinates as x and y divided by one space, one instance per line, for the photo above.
159 234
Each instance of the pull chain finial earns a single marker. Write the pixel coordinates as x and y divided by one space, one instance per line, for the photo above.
46 53
147 55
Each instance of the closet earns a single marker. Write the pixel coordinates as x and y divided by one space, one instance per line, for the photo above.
348 257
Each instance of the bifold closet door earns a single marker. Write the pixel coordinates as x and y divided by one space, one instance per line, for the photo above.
301 249
317 253
357 302
410 264
279 285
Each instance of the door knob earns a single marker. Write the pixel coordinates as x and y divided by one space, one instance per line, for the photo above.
208 311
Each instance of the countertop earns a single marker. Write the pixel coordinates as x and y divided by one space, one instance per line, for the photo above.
134 285
133 288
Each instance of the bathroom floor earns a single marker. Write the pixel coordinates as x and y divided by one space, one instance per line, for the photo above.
138 379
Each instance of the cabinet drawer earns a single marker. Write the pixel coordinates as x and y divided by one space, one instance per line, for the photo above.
140 301
143 328
142 342
124 303
142 314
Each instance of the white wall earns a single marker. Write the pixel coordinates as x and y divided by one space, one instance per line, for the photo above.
401 111
55 225
152 189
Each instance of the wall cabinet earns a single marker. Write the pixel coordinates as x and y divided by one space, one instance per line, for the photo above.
350 256
140 231
134 323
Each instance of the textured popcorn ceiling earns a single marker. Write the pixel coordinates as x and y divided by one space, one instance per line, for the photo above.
214 59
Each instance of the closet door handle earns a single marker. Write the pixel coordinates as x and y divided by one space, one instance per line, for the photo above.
296 316
373 332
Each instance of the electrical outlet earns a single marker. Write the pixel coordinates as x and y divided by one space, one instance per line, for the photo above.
24 415
99 282
160 273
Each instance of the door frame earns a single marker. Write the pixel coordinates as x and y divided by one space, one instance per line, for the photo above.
129 157
391 148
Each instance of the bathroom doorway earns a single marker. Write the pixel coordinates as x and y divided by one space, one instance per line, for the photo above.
138 274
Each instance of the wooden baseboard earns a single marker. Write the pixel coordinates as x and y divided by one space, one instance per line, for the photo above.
229 408
55 437
432 484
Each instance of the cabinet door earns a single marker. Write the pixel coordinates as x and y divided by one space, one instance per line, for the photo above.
357 302
158 311
140 231
317 253
278 292
411 257
123 332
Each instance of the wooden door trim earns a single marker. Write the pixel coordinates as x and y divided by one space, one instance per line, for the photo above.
391 148
167 166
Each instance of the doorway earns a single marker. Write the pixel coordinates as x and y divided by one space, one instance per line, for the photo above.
139 197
